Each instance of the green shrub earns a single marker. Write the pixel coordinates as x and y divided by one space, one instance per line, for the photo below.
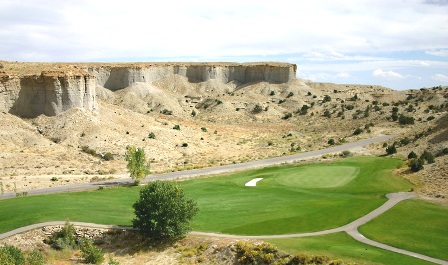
204 129
108 156
326 98
416 164
404 120
257 109
391 149
88 150
193 113
151 135
65 238
428 156
54 179
412 154
11 255
304 110
290 94
327 114
176 127
35 258
90 253
331 141
185 145
272 93
357 131
287 116
166 112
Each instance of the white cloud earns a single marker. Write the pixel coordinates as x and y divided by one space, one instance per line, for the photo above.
387 74
443 53
343 75
91 30
440 77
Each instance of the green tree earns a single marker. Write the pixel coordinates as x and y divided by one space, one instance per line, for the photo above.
331 141
416 164
163 210
137 165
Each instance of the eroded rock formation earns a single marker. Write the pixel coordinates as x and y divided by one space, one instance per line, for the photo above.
32 89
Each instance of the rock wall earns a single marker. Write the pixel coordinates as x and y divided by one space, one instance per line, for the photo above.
49 93
121 76
32 89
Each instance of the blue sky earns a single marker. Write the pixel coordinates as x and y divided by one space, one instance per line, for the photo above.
401 44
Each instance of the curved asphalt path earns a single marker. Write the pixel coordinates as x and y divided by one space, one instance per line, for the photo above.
209 170
351 229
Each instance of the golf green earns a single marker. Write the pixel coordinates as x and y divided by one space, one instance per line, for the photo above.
293 199
322 177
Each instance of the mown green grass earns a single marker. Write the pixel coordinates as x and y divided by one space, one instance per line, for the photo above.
279 204
413 225
342 246
113 206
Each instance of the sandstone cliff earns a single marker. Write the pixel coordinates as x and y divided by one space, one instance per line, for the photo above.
49 93
32 89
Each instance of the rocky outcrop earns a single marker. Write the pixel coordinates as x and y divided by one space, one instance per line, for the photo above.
32 89
49 93
118 76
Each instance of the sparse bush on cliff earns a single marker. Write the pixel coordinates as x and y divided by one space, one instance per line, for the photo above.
257 109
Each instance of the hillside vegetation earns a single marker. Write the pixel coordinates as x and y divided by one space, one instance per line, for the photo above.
183 125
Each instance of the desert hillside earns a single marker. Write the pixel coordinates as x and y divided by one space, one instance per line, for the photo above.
218 117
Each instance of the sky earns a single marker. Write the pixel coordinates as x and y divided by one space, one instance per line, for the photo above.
400 44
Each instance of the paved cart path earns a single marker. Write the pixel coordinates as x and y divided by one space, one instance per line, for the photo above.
351 229
209 170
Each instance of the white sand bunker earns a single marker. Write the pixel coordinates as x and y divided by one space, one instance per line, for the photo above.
253 182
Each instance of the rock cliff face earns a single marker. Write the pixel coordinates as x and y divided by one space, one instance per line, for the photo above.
121 76
32 89
49 93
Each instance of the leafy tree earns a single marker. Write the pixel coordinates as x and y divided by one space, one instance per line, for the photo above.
428 156
416 164
137 165
391 149
326 98
331 141
163 210
412 154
